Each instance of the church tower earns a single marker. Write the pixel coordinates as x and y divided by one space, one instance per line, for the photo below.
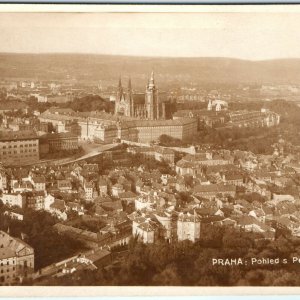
118 96
124 100
151 100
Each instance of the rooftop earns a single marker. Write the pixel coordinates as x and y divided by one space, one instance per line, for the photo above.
214 188
17 135
61 135
148 123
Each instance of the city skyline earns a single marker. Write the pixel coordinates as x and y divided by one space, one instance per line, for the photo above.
247 36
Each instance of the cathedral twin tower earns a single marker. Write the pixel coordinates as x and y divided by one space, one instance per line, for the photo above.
129 105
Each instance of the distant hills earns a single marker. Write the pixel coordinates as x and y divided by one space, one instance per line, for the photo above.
104 67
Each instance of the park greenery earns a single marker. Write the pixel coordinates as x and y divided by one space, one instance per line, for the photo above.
37 230
190 264
89 103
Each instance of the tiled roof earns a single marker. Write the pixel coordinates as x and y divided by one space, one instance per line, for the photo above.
55 136
39 179
58 204
7 253
214 188
149 123
188 217
148 226
234 177
17 135
12 105
128 194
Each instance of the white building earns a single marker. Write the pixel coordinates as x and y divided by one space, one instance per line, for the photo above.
188 227
14 200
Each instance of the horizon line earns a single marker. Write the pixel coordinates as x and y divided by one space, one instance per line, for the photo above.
148 56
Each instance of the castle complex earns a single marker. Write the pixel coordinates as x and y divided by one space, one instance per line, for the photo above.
137 118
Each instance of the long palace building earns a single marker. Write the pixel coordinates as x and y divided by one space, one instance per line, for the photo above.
106 127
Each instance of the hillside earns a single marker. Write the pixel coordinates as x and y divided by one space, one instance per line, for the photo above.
101 67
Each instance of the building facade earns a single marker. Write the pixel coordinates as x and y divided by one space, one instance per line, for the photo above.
188 227
106 133
18 148
150 130
54 142
14 199
263 118
16 260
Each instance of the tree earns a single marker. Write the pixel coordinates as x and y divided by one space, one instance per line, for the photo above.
169 276
254 278
49 246
89 103
169 141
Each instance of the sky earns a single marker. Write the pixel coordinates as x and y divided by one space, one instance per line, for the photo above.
251 36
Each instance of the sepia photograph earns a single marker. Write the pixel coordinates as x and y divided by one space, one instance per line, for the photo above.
149 146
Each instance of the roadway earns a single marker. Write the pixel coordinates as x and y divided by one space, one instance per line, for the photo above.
91 150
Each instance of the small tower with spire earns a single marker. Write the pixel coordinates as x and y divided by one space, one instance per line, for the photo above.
209 106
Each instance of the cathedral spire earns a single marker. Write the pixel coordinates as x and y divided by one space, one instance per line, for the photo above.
151 81
152 77
120 82
129 83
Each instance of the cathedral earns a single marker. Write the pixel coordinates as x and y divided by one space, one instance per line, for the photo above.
147 107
